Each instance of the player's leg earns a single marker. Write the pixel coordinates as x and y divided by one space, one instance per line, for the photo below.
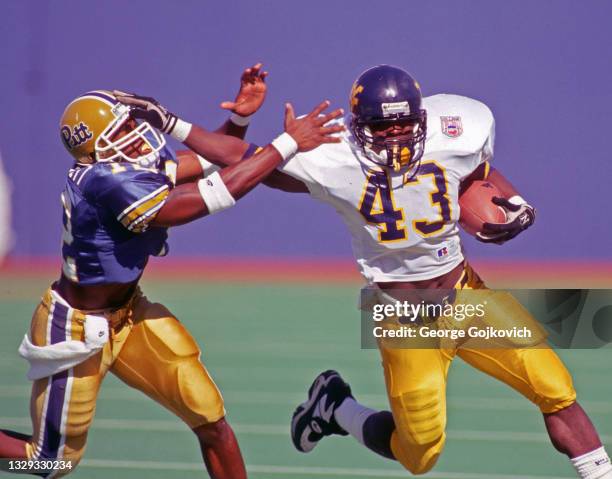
571 431
161 359
412 432
539 374
416 387
220 449
541 377
62 406
331 409
13 444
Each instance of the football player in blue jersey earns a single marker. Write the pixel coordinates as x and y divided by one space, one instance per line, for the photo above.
125 189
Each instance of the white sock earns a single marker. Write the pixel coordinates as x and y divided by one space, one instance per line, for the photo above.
593 465
351 416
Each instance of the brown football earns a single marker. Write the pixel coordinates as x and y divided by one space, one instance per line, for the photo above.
477 207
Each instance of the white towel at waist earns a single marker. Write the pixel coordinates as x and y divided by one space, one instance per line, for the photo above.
48 360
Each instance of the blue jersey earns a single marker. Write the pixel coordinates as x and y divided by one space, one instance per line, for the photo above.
107 211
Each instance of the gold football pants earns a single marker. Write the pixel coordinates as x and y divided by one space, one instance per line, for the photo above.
149 349
416 382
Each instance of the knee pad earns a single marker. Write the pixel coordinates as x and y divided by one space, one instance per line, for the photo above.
200 401
420 415
418 459
551 381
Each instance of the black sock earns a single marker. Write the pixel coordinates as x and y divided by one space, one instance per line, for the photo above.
377 430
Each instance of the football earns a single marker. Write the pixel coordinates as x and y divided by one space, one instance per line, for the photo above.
478 208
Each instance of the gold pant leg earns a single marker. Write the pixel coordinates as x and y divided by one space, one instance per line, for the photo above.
161 359
416 387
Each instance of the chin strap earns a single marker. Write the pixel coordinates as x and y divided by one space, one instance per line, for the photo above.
395 154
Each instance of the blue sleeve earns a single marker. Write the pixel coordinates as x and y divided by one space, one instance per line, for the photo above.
131 194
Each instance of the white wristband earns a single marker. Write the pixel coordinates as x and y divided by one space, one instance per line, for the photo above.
286 145
215 194
207 166
517 200
239 120
181 130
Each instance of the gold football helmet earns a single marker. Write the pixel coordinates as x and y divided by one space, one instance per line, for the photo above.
95 127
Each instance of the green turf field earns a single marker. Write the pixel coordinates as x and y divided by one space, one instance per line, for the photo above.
263 345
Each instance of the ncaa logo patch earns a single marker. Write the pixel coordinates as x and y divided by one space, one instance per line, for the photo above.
451 126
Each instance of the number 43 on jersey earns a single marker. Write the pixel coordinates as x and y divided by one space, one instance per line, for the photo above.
377 205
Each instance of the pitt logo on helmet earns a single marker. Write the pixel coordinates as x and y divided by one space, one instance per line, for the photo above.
77 136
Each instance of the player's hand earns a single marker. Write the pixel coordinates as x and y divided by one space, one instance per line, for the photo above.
252 92
148 109
310 131
519 218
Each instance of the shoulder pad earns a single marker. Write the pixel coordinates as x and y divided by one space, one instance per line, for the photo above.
457 123
104 176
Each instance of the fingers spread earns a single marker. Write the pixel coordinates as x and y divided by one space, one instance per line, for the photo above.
253 74
326 130
330 116
319 108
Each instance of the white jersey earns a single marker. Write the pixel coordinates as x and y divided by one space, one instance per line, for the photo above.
403 228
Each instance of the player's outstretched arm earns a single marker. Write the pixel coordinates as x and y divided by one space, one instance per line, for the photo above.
250 97
520 215
218 149
220 190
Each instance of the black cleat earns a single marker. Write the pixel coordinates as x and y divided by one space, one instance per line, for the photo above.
314 419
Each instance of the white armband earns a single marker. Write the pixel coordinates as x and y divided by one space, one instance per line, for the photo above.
181 130
215 194
207 166
285 145
240 120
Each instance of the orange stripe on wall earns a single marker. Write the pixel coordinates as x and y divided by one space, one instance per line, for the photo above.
545 274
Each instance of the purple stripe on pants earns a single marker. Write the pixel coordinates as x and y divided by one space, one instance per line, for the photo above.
53 421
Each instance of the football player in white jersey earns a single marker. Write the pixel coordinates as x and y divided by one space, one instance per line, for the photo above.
395 178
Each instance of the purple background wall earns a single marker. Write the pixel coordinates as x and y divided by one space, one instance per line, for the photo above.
542 66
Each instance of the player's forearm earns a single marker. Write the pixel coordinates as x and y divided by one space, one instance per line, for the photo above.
282 181
189 167
243 177
184 204
222 150
230 128
187 203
